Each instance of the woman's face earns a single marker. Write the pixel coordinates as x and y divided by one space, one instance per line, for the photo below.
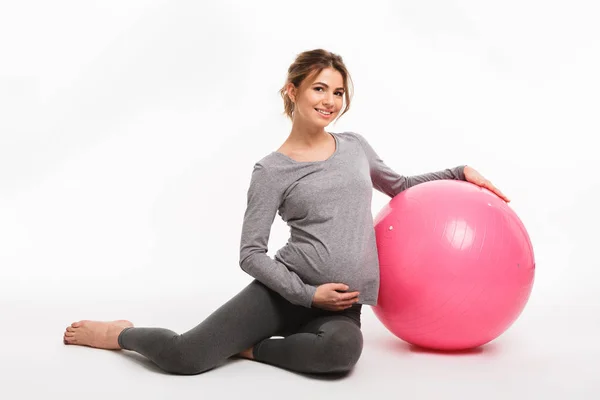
324 92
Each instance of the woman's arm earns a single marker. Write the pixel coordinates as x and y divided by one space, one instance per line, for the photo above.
263 201
389 182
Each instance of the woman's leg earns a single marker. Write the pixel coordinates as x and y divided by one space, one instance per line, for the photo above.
330 342
252 315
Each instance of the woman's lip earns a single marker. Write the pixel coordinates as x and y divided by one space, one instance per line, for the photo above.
324 115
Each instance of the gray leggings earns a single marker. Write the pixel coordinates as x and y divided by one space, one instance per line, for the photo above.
314 340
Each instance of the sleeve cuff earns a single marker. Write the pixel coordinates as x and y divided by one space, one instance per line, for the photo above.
460 172
310 294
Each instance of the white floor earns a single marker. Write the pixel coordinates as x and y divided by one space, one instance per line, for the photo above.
550 352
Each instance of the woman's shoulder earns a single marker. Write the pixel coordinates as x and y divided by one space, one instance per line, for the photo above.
269 166
352 134
349 135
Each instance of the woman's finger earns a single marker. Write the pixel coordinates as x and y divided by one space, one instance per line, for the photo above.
489 185
497 191
348 296
344 303
347 303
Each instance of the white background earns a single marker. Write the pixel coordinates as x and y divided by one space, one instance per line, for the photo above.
129 129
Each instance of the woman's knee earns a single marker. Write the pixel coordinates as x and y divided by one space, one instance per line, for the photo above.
342 347
177 358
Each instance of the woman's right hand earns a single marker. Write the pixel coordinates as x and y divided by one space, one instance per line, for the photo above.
328 297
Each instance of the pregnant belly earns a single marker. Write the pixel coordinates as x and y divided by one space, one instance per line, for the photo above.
315 266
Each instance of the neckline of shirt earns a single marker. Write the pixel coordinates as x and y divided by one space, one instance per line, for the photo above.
337 146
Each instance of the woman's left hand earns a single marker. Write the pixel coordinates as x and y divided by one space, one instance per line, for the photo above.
471 175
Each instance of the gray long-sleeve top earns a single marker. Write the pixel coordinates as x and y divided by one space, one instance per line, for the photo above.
327 205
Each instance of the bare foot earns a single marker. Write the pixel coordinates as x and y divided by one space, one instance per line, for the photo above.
248 353
99 334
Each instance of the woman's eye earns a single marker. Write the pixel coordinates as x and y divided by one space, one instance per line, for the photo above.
338 93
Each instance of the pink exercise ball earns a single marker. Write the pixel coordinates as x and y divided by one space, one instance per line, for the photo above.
456 265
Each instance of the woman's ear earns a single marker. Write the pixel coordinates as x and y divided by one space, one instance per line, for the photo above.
291 92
